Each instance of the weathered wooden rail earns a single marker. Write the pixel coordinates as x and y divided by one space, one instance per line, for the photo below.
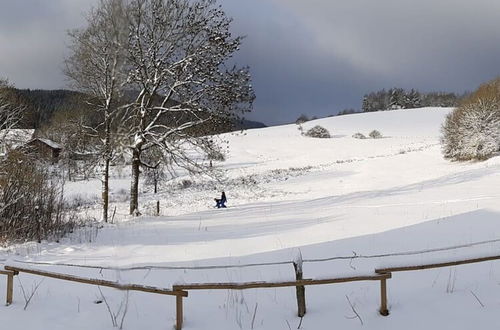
180 291
390 270
261 285
111 284
435 265
298 283
10 271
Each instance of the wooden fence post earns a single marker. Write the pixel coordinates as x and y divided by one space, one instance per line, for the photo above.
10 288
301 290
179 312
383 298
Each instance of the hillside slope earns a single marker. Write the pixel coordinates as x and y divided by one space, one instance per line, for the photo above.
369 203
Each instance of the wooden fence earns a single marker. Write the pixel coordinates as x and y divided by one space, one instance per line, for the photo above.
10 285
11 271
390 270
298 284
181 290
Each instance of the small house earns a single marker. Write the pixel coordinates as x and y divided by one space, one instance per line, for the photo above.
45 148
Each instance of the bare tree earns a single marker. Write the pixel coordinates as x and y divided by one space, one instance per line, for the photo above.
10 114
96 68
32 203
175 59
177 54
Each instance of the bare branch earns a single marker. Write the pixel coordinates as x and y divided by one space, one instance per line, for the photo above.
354 311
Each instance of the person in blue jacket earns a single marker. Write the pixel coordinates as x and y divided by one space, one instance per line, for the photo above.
221 202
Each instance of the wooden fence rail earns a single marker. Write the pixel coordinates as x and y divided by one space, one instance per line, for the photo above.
260 285
181 290
435 265
299 283
390 270
111 284
10 271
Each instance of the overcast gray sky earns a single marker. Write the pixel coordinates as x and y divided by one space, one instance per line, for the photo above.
315 57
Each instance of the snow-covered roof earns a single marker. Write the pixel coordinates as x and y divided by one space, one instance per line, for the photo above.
16 136
50 143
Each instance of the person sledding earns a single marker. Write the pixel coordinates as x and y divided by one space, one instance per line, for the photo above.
221 202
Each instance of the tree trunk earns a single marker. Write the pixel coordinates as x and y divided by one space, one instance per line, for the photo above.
134 188
155 176
105 190
155 179
107 161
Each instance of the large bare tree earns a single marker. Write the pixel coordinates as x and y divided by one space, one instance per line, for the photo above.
178 53
174 71
96 67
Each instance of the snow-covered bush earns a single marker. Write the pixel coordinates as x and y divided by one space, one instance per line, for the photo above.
472 131
375 134
318 132
359 136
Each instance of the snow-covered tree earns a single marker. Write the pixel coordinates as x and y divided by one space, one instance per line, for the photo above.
365 106
171 60
413 99
472 131
96 67
10 113
397 98
177 57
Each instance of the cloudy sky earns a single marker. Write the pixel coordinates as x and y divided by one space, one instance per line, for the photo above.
315 57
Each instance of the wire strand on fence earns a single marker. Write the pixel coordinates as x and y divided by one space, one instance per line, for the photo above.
276 263
406 253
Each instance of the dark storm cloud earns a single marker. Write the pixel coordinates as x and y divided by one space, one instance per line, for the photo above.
320 56
315 57
33 36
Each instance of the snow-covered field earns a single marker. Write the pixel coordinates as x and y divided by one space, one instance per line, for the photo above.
289 195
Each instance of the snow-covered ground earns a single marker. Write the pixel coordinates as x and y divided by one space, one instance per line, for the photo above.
289 195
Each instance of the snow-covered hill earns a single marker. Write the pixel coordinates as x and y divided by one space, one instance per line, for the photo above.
288 193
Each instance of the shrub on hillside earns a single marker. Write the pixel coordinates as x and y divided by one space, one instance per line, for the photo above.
318 132
472 131
31 201
359 136
375 134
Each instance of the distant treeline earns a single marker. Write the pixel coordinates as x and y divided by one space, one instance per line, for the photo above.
41 107
398 98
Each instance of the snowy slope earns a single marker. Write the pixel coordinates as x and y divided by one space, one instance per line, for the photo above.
327 198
